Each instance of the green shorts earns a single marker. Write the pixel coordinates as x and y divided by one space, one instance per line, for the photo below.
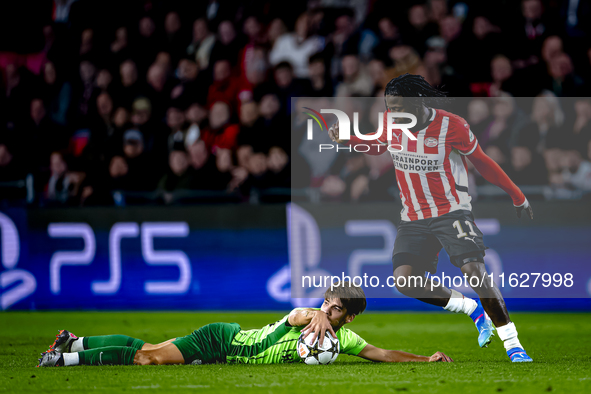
209 344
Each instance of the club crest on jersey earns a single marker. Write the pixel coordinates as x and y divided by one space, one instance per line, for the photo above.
431 142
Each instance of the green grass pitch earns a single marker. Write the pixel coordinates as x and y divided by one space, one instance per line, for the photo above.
560 345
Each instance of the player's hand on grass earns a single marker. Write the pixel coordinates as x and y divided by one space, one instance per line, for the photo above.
439 356
333 133
318 327
524 207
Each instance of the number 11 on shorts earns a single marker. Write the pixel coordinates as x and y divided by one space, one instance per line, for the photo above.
461 233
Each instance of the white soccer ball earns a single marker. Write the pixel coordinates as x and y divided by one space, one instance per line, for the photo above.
313 354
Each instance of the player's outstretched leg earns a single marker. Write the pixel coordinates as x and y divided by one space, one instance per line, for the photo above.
66 342
493 303
459 303
449 300
113 355
63 342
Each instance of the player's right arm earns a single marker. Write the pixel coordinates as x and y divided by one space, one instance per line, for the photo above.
315 321
302 316
374 353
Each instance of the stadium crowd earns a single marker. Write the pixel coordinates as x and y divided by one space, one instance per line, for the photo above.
104 99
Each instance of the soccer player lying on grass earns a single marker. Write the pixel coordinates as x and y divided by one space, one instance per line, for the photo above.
228 343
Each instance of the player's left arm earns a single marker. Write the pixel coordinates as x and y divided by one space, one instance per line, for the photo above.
464 141
374 353
493 173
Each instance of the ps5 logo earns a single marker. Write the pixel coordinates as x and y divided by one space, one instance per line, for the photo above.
24 280
148 230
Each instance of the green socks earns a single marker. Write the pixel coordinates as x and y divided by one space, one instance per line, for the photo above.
111 355
112 340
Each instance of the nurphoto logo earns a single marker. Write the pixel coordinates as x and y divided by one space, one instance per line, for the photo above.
344 127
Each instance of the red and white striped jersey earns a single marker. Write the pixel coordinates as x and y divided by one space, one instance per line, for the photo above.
431 171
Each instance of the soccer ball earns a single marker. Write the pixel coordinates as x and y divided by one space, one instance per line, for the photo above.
314 354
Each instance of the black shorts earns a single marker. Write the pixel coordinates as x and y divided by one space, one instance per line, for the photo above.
456 232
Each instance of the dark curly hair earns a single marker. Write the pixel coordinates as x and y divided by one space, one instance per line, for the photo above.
417 89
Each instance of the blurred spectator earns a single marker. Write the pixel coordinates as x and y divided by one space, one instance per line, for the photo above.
192 84
86 42
377 72
420 28
104 79
287 86
563 82
146 45
404 60
450 29
62 186
119 47
83 92
206 175
175 40
344 40
485 43
141 171
257 67
221 133
201 44
297 47
278 168
507 122
252 134
45 136
56 93
12 168
62 10
389 37
535 26
576 172
527 166
253 29
157 91
276 29
479 116
273 131
227 45
175 120
226 87
129 86
547 118
496 153
356 80
195 116
348 179
179 175
438 72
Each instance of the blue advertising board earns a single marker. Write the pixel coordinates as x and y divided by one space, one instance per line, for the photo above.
238 258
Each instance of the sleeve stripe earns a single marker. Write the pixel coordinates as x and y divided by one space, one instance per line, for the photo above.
471 150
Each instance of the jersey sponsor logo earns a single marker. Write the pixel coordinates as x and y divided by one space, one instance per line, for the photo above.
471 136
416 164
431 142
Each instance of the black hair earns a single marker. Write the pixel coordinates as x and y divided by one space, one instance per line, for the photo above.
410 85
352 297
283 64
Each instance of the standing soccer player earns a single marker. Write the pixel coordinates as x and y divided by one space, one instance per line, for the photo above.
433 182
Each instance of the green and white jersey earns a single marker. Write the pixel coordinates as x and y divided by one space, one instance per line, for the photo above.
277 343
